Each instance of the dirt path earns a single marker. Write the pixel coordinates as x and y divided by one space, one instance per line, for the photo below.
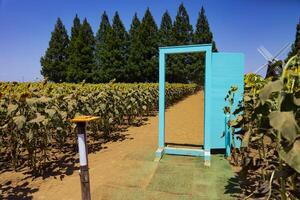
184 121
125 170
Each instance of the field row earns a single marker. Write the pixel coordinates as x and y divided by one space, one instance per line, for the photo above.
34 117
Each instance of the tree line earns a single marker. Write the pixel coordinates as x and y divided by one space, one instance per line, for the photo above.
126 56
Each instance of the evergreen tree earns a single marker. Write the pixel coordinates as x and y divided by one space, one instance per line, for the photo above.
119 48
165 30
203 35
148 35
182 29
296 46
73 53
53 63
101 39
82 58
182 33
166 39
114 55
134 66
134 26
104 28
86 45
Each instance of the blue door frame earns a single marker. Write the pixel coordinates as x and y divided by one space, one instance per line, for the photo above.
229 59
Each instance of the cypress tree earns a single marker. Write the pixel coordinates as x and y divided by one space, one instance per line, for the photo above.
119 48
81 52
296 46
134 66
101 39
182 33
76 28
104 28
203 35
165 30
182 29
73 53
114 55
148 35
86 47
166 39
134 26
54 61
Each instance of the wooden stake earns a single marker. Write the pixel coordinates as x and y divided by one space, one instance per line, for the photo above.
83 155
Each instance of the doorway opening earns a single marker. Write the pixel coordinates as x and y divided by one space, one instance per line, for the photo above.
184 121
203 151
222 70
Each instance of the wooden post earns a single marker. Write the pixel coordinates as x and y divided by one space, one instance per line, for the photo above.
83 155
83 158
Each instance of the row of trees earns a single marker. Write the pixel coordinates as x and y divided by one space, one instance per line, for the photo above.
125 56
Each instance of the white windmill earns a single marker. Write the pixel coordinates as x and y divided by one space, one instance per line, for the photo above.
269 57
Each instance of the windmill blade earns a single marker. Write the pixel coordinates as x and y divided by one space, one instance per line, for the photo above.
282 50
263 54
260 68
266 52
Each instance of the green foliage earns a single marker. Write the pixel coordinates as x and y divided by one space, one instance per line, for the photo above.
126 57
101 48
166 30
182 29
86 48
269 119
182 35
81 52
134 26
54 62
166 38
73 52
296 45
35 117
76 28
202 34
114 56
148 47
134 66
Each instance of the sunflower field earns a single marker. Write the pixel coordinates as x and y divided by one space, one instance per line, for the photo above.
35 117
267 123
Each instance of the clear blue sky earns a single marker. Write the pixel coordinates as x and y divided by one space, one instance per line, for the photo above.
238 26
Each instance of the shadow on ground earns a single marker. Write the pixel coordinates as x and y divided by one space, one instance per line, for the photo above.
21 191
63 163
233 187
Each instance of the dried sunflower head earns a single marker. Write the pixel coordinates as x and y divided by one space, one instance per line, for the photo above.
24 95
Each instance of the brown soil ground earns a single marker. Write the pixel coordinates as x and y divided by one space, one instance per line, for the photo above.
118 165
184 122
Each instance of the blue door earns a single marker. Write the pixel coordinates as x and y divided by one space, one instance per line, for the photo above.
227 69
